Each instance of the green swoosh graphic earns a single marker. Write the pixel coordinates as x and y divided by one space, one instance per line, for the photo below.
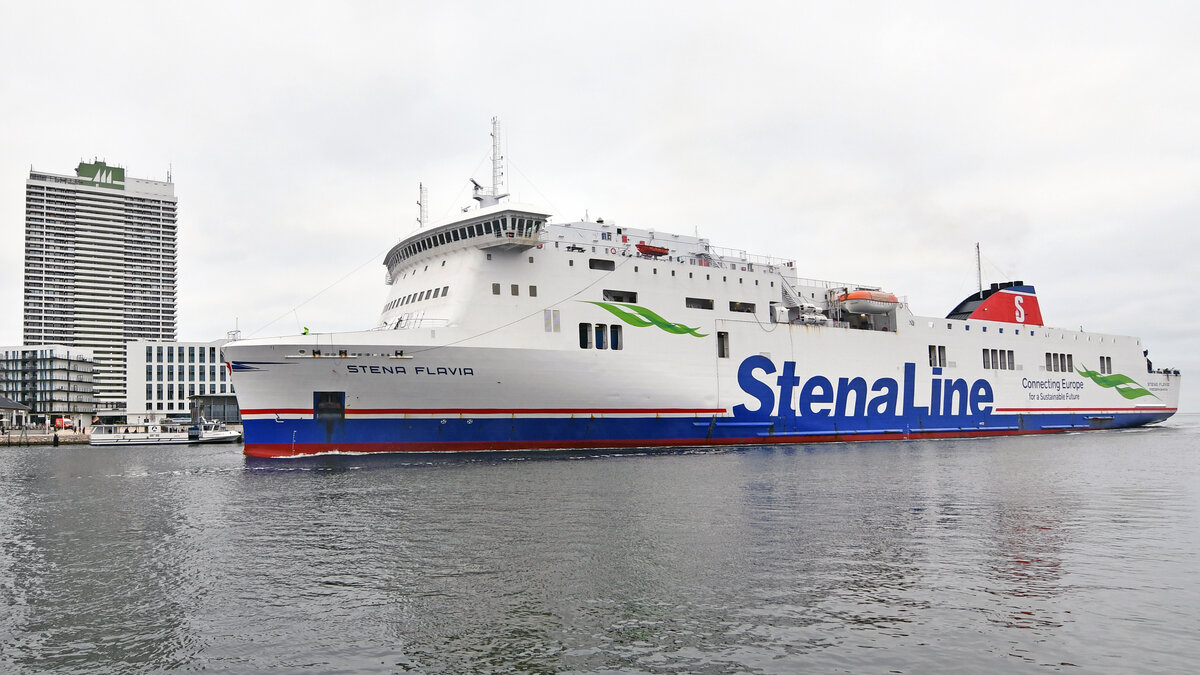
1124 384
640 317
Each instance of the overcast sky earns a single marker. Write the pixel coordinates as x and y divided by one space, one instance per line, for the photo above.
873 142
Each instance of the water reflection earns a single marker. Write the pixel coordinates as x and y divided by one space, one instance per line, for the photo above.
919 556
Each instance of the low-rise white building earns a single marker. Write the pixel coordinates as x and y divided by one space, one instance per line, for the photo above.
162 376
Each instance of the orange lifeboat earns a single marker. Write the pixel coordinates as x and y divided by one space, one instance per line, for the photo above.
868 302
647 249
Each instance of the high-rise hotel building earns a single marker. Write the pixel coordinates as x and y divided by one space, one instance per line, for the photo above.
99 266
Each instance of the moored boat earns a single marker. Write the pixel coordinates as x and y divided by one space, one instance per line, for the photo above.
169 433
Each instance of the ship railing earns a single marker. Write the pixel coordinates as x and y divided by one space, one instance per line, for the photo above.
735 255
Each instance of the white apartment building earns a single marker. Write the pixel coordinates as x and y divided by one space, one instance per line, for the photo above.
100 266
164 375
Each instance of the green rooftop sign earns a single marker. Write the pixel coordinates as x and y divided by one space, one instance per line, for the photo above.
100 174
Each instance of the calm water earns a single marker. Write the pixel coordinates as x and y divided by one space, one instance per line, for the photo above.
1076 553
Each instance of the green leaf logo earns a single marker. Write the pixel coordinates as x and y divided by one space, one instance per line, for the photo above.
640 317
1124 384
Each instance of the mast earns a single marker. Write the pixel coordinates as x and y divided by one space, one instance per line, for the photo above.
978 270
492 196
423 205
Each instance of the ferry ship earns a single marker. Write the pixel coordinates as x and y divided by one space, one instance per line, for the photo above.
502 330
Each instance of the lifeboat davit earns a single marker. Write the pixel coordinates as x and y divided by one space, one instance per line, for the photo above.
868 302
647 249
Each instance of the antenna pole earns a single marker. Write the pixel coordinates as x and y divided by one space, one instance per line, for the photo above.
423 204
497 159
978 269
492 196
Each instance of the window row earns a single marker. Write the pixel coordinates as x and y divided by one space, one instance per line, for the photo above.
155 392
417 297
514 289
999 359
1060 363
154 353
600 336
156 373
510 226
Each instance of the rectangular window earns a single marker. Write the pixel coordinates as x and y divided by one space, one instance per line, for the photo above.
515 289
722 345
149 353
698 303
937 356
149 372
611 295
192 354
495 289
1048 362
987 360
1070 364
437 292
170 355
149 392
170 374
445 291
598 264
601 332
203 351
159 392
158 351
585 336
746 307
614 334
533 291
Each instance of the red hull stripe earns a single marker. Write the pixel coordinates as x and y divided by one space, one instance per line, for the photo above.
496 411
302 449
1083 410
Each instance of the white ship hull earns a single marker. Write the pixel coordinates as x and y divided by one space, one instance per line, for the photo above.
473 370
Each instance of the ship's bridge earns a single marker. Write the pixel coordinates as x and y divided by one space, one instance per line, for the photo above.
500 227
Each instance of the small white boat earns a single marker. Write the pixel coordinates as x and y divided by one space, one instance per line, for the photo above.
163 434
